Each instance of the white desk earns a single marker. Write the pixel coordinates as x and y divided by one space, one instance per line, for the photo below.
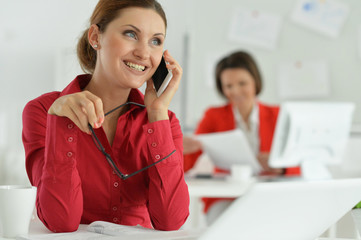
219 187
39 232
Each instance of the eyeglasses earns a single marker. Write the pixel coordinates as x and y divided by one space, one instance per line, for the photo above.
109 158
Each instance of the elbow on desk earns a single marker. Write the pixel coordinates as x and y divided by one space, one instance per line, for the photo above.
60 224
170 224
62 227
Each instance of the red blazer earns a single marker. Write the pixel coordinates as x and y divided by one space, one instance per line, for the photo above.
219 119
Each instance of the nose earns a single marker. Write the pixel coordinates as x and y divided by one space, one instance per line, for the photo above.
142 50
236 90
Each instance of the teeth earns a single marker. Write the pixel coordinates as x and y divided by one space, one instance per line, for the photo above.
135 66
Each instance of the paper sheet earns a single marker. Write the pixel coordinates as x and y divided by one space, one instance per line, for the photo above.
303 80
324 16
255 28
138 232
228 148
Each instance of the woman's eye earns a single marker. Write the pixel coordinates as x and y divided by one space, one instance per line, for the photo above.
156 42
130 34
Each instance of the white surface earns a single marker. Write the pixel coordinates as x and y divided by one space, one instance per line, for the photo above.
288 210
359 42
16 207
228 148
221 187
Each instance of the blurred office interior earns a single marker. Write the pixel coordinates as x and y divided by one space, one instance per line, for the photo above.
37 55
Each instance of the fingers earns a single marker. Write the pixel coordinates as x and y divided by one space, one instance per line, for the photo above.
174 66
82 108
93 106
177 72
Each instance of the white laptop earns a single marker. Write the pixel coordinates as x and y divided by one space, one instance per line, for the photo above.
286 210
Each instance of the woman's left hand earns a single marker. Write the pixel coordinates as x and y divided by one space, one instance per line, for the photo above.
157 107
267 170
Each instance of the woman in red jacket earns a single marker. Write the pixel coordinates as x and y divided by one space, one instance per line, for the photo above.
100 150
239 81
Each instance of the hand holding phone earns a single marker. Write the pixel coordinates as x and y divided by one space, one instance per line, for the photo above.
161 77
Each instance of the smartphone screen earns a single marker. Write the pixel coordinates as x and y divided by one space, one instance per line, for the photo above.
161 77
160 74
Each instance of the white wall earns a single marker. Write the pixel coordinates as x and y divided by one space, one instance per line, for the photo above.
37 55
209 38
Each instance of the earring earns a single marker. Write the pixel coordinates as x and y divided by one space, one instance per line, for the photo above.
95 45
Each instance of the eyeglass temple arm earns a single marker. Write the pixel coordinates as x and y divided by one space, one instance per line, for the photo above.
145 168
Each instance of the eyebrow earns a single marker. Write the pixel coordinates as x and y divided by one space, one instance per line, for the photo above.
138 30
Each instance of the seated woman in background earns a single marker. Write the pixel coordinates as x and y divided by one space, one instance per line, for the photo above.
239 81
88 165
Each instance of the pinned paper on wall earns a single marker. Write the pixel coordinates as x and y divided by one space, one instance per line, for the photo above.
255 28
324 16
300 80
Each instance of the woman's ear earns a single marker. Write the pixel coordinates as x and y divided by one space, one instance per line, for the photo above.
94 36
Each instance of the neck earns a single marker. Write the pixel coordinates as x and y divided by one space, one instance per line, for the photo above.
245 111
111 96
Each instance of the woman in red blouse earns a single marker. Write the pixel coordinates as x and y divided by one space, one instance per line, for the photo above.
78 156
239 81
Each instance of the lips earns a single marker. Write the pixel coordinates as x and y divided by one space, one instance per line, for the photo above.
136 67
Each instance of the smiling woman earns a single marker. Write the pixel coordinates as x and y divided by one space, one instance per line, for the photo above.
75 155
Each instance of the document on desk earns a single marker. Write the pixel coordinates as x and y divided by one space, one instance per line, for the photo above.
229 148
100 230
139 232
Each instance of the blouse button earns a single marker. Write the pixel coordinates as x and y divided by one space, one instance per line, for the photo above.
116 184
70 125
115 219
70 139
157 157
154 144
69 154
150 131
115 208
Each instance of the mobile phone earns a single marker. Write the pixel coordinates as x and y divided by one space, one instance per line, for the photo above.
161 77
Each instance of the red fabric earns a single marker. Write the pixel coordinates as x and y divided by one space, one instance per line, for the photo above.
77 185
219 119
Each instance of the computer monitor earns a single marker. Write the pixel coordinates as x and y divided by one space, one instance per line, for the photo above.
311 135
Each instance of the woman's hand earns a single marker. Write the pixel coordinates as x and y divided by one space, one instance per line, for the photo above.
82 108
157 107
263 160
191 145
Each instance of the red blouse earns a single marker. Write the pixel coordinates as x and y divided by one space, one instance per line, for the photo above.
219 119
77 185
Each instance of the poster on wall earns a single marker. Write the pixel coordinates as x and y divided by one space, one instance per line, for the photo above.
256 28
303 80
324 16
